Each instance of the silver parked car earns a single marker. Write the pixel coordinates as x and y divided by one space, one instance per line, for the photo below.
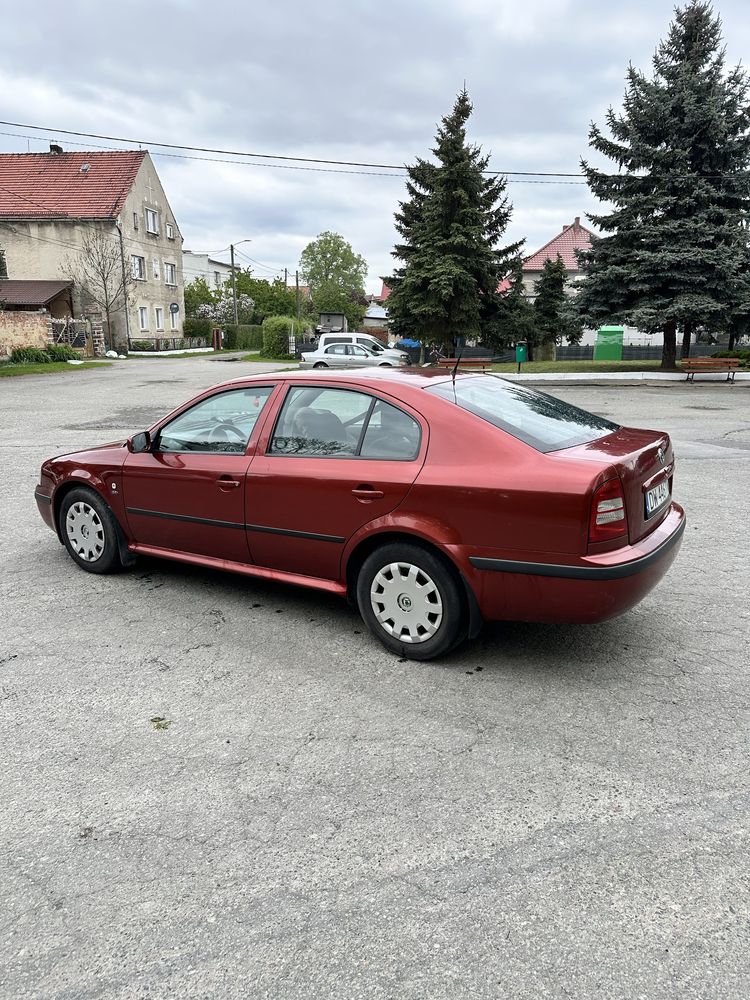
349 356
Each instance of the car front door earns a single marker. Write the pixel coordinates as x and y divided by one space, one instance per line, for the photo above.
187 493
335 460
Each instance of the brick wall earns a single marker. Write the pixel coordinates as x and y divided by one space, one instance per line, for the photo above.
22 329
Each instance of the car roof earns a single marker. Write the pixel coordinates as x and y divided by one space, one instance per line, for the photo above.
415 378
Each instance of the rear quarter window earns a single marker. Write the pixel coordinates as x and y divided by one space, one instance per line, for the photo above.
542 421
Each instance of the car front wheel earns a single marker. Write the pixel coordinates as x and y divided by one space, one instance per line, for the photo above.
411 600
89 531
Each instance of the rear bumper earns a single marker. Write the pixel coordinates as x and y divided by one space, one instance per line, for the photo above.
591 589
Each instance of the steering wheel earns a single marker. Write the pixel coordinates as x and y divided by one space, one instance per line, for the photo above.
225 431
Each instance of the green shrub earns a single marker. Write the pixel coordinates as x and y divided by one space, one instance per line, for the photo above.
276 333
142 345
197 328
29 356
62 352
243 337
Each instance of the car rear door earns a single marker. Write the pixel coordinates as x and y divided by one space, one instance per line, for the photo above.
329 466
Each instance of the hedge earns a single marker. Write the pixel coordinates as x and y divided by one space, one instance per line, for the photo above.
276 333
197 328
243 337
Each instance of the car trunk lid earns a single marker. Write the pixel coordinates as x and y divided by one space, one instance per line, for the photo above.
644 462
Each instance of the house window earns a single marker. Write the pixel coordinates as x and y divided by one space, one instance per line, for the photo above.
155 263
139 268
170 231
143 317
152 222
217 279
135 220
170 274
173 319
159 316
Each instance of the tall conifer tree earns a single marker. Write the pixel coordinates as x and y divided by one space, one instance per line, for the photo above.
451 224
673 247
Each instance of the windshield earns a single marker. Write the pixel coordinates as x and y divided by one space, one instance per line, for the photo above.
542 421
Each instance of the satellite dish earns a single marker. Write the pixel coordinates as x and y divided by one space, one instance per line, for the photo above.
174 307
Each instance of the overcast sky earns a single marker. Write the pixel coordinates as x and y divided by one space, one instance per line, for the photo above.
340 79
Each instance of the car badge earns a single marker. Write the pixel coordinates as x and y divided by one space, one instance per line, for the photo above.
660 453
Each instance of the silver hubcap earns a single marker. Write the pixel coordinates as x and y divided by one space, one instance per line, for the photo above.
85 531
406 602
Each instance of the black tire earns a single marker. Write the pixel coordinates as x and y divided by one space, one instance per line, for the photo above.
320 364
432 574
385 364
90 532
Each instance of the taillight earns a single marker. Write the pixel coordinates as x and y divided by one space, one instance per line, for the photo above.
608 512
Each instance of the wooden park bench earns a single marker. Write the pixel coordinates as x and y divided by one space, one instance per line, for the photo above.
468 364
695 366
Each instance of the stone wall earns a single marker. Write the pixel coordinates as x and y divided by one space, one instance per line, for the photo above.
22 329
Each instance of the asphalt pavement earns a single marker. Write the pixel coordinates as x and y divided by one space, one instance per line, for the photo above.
218 787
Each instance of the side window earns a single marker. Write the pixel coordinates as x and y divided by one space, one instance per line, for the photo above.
336 349
359 351
341 423
222 423
390 434
323 423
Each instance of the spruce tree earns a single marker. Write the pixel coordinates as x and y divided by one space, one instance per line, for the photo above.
446 288
552 320
674 244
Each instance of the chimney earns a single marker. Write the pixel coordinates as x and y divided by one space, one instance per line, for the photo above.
54 149
577 222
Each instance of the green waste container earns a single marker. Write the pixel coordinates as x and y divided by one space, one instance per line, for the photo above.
608 346
521 351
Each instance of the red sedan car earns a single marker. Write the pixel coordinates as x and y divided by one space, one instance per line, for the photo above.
432 502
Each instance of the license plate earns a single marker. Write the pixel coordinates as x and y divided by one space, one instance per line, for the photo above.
657 497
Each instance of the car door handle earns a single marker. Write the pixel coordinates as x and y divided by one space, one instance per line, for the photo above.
227 483
365 493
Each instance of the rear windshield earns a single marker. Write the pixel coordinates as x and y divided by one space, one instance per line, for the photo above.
544 422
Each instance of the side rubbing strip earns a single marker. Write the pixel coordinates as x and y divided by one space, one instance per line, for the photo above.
184 517
296 534
580 572
42 496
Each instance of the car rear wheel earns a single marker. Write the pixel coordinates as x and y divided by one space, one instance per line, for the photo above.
320 364
385 364
89 531
411 600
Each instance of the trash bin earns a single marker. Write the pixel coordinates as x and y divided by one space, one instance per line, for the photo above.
522 353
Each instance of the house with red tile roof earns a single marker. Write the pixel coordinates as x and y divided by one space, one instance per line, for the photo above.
50 203
572 238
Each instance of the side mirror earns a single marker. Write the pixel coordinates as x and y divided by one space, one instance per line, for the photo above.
140 442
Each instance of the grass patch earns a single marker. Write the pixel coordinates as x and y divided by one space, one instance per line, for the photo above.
9 370
573 367
173 357
258 356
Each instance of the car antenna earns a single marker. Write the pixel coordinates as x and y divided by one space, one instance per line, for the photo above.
455 367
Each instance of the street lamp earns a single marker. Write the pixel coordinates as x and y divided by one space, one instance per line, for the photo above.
234 281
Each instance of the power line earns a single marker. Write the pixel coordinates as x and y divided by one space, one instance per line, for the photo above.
263 156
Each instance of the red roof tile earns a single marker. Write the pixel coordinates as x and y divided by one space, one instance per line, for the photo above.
384 292
573 237
54 185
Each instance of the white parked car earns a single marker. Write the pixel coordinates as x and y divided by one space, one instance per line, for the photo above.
350 356
364 340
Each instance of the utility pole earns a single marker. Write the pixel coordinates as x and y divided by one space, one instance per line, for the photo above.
286 278
234 283
296 292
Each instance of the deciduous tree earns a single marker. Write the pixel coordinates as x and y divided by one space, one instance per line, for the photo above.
98 272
